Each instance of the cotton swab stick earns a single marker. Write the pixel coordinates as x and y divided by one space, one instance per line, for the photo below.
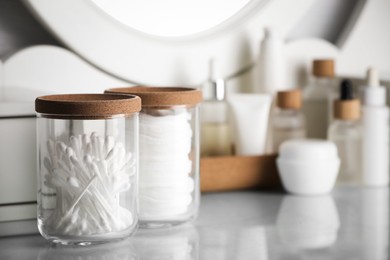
89 172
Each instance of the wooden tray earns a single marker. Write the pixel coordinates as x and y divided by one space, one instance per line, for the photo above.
238 173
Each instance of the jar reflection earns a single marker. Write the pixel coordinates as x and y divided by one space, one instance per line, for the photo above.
121 250
308 222
216 243
375 211
252 244
227 243
176 243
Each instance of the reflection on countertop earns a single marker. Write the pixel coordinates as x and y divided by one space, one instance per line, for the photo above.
308 222
121 250
351 223
179 243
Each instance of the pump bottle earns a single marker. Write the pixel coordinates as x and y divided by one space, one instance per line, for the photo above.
215 130
375 126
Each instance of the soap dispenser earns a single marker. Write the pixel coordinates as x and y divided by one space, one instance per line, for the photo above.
345 132
215 129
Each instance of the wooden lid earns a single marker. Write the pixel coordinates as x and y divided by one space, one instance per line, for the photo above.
87 106
162 96
323 68
290 99
347 109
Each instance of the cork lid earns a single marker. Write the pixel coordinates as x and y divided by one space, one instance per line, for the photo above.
290 99
346 109
162 96
323 68
87 106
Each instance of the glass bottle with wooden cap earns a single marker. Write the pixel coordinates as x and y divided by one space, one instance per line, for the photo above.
318 98
87 167
345 132
289 121
169 187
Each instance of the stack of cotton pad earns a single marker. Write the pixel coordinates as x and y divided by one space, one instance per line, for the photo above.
165 184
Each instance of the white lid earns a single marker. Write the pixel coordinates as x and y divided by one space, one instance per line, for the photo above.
308 149
373 93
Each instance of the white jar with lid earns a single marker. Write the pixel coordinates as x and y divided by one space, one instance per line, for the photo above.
87 167
169 187
308 166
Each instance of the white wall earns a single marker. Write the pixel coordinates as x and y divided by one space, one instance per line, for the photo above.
19 29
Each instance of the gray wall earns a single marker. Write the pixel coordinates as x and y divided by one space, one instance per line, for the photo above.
19 29
325 19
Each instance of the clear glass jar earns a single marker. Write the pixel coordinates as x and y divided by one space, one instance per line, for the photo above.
87 167
169 187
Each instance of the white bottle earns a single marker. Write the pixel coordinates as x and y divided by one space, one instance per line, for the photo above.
345 132
318 97
288 121
270 74
271 71
375 122
215 129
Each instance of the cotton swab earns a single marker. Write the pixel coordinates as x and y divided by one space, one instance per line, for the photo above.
88 173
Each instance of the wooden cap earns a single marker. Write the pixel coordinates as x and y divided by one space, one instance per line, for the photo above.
87 106
346 109
290 99
323 68
162 96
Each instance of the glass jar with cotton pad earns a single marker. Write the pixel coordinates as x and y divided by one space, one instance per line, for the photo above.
87 167
169 154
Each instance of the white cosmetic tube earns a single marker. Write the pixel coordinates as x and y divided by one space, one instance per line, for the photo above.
250 113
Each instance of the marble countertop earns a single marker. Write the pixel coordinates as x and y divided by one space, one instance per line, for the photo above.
350 223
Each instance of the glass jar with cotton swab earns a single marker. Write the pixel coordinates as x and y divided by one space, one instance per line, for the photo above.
87 167
169 189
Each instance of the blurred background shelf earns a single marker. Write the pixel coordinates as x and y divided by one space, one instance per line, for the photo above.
239 173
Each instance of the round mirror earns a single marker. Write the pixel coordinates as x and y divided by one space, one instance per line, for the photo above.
166 42
171 18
